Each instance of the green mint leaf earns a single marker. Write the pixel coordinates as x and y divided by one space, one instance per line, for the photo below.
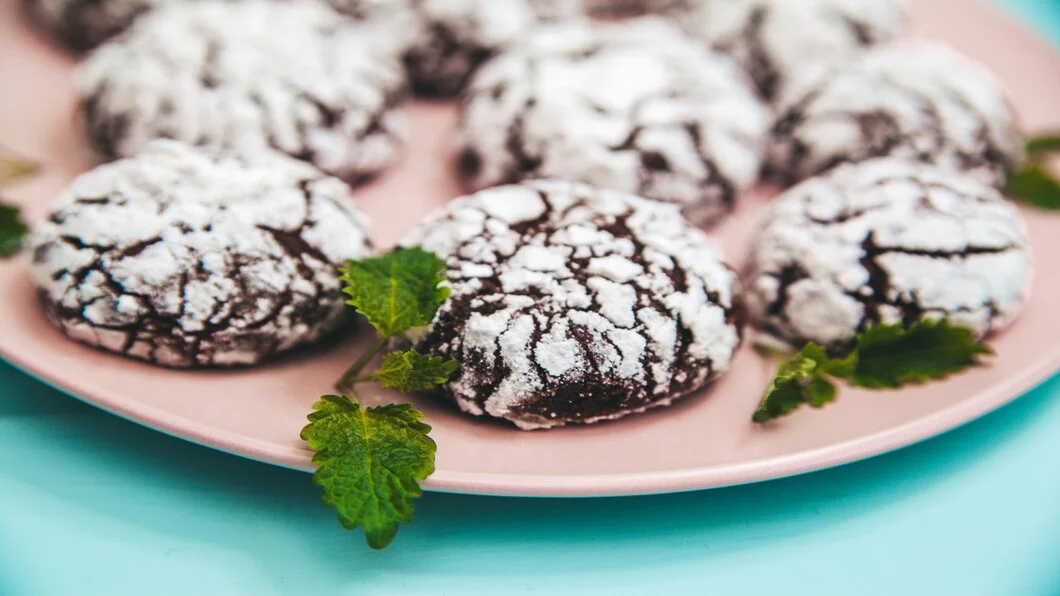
411 371
792 386
398 290
369 463
1049 143
889 356
1034 185
820 392
12 230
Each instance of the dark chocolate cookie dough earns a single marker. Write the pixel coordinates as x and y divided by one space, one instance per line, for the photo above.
886 241
186 260
574 304
634 106
917 101
296 77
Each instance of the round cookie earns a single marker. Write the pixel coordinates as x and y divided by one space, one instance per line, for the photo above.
291 76
777 41
633 106
188 260
574 304
886 241
917 101
446 40
84 24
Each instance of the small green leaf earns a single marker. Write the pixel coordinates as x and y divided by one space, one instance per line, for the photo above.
398 290
12 230
411 371
369 463
820 392
1048 143
889 356
1034 185
790 389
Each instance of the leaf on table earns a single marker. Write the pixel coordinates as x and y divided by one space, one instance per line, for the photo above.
398 290
370 462
889 356
411 371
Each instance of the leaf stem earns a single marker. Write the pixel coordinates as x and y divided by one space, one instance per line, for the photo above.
352 376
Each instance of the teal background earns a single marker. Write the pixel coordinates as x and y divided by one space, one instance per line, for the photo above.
93 505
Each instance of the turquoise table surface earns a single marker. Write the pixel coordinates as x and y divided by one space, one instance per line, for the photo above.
94 505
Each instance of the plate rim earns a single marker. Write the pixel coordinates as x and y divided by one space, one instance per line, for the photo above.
594 485
969 409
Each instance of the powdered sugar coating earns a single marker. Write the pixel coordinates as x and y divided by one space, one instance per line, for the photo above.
887 241
573 304
287 75
919 101
445 40
84 24
633 106
186 260
777 41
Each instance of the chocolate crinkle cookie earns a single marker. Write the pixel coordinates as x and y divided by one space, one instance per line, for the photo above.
446 40
886 241
777 41
918 101
296 77
633 106
189 260
84 24
574 304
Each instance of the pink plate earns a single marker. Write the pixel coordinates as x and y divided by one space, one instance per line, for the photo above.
704 441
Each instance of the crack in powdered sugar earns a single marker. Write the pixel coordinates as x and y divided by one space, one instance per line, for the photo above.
575 304
918 101
185 260
887 241
214 72
633 106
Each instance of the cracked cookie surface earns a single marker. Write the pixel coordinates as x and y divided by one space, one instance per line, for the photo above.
296 77
574 304
777 41
633 106
187 260
886 241
918 101
84 24
446 40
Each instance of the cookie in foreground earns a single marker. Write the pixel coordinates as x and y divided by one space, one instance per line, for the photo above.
635 106
294 77
886 241
574 304
184 259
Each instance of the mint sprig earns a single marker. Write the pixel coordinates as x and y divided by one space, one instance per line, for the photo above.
884 357
12 229
1032 182
370 461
